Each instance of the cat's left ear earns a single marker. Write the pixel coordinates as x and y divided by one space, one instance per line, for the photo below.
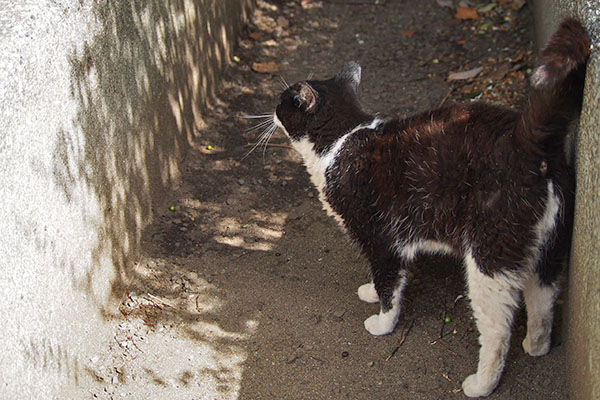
306 97
350 74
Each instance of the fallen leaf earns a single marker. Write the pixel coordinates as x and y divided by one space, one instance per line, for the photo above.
518 4
466 13
310 4
408 33
255 35
445 3
500 72
283 22
269 67
459 76
461 42
486 9
270 43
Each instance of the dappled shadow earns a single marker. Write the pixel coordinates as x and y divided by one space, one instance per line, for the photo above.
142 85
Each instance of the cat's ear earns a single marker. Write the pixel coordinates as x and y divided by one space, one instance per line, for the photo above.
350 74
307 97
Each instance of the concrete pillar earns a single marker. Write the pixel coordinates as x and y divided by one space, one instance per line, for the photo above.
583 309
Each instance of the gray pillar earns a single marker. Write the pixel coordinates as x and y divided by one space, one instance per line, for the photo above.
583 309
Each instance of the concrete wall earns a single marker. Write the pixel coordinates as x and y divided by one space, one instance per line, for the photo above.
98 103
583 317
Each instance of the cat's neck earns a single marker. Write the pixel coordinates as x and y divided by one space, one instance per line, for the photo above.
317 162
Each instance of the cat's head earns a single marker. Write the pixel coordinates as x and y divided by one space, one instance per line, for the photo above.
321 111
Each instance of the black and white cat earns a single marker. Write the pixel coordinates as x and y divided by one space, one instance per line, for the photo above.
488 185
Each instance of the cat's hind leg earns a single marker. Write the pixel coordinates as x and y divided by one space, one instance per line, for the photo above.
493 300
539 300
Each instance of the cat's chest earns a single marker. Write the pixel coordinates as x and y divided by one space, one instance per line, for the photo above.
317 166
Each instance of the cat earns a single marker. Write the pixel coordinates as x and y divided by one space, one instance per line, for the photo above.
488 185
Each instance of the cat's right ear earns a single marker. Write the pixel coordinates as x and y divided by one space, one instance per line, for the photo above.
307 97
350 74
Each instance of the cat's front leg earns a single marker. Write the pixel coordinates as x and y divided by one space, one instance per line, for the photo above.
367 293
385 322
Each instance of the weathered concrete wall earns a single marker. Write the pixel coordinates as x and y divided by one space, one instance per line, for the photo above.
98 103
583 323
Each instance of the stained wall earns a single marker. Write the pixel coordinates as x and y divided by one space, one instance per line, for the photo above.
99 101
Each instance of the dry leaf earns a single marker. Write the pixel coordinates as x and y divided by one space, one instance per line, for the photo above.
500 72
269 67
283 22
466 13
408 33
461 42
459 76
255 35
518 4
445 3
310 4
486 9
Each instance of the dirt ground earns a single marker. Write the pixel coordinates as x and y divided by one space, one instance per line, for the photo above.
247 290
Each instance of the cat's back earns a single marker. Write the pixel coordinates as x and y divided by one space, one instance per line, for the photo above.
462 154
456 127
457 144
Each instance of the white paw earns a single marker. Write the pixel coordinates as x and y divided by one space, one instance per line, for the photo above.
368 293
472 387
536 349
377 325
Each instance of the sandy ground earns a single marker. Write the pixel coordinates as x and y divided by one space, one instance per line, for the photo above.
247 290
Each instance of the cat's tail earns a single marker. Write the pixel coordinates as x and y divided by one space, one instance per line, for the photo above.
557 88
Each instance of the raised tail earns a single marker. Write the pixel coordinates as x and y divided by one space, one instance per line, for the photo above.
557 89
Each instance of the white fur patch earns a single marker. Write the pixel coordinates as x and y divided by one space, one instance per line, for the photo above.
409 251
548 221
540 77
317 165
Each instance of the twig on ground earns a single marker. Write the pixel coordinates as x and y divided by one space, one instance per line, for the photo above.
447 96
405 333
158 302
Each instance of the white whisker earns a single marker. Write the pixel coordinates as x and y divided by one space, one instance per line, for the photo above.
259 116
283 83
260 125
267 137
269 128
